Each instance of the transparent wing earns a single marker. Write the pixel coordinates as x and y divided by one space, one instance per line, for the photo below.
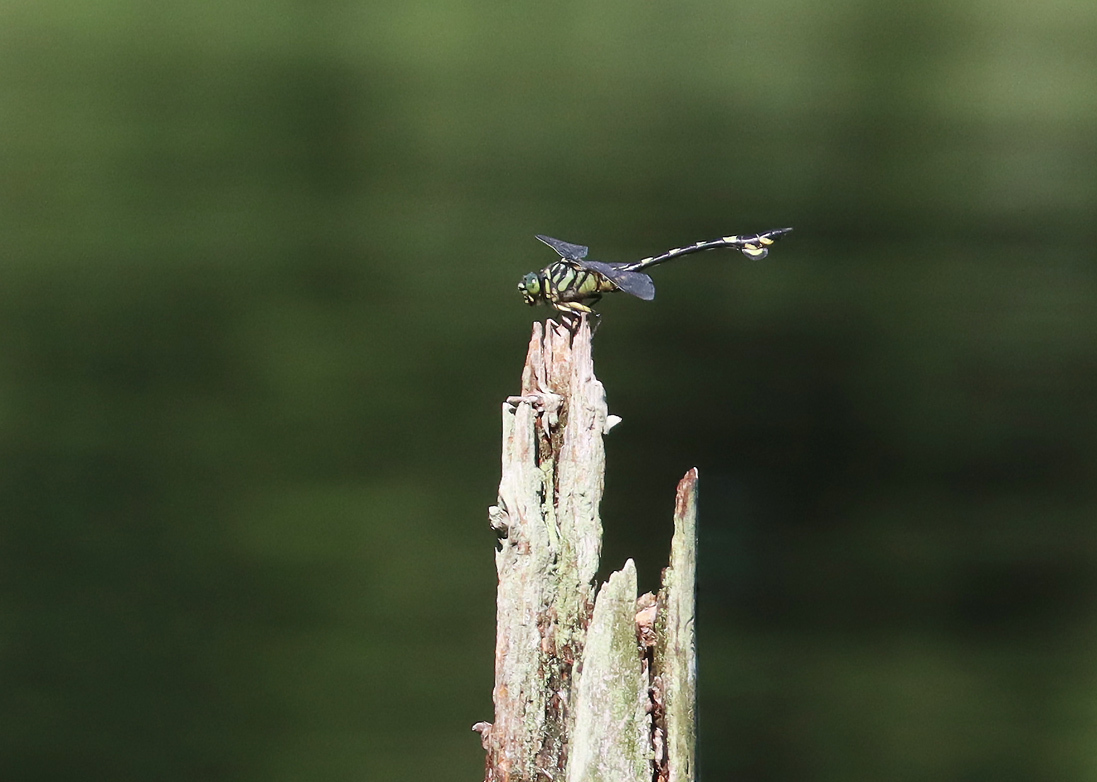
573 252
636 283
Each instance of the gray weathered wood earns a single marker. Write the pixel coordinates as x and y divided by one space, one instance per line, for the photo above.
573 690
675 664
611 741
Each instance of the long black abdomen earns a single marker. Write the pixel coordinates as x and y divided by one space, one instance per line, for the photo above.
755 246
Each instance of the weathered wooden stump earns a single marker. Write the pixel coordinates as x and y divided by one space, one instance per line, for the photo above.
588 687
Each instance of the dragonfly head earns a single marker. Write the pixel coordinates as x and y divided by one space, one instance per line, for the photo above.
531 289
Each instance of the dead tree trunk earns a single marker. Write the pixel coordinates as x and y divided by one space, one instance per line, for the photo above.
587 689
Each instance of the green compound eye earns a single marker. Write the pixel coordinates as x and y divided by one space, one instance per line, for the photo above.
530 288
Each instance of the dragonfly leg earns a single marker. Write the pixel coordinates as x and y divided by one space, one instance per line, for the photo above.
573 312
572 320
572 307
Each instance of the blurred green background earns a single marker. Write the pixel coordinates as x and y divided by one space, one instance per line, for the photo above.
258 314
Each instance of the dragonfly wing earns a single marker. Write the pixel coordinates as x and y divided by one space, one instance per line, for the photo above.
573 252
636 283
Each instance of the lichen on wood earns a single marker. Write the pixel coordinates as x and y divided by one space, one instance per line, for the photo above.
574 698
675 658
611 740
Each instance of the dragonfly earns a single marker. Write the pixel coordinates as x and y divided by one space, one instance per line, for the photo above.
573 282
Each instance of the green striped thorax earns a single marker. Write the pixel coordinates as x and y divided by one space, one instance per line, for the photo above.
564 283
